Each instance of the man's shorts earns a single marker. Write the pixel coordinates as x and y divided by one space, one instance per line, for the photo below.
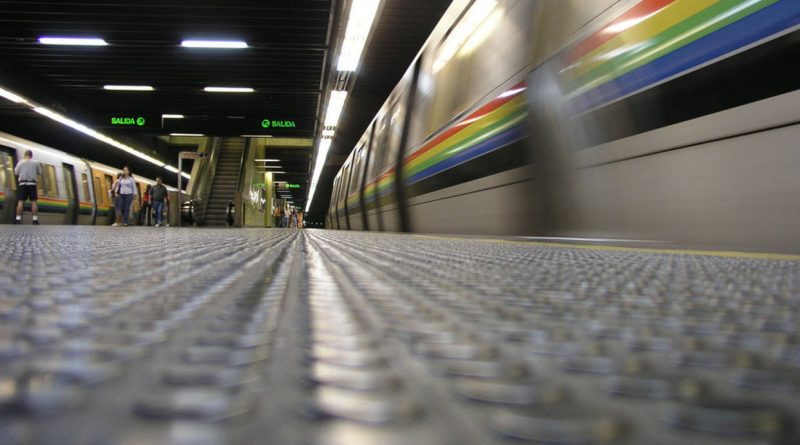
28 192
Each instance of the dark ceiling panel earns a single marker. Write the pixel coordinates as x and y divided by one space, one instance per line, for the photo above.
285 63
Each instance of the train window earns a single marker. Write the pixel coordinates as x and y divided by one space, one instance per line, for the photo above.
108 182
85 186
355 182
99 196
50 185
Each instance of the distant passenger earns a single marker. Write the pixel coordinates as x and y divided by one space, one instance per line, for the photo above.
277 215
293 219
158 197
115 205
299 219
283 217
127 190
27 172
144 212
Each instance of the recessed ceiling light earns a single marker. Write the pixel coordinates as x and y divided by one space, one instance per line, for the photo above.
72 41
172 116
228 90
217 44
128 87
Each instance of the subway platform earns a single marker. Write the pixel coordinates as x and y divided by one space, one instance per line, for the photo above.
132 336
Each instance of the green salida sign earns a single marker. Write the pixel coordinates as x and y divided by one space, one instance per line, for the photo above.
269 123
128 121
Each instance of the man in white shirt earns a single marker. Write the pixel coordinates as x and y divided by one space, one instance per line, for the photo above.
28 171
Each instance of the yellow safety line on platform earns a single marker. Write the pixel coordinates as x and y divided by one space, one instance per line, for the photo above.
718 253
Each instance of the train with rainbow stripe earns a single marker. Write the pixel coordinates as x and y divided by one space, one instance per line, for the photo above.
669 120
71 190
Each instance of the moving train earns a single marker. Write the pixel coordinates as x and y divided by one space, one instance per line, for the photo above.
669 120
71 190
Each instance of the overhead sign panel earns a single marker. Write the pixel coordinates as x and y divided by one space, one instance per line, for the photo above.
268 123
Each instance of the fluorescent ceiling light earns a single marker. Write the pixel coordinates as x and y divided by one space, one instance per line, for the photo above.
328 133
274 173
228 90
186 175
99 136
171 168
187 134
227 44
72 41
273 166
83 128
171 116
319 164
362 15
255 135
12 97
335 106
267 160
128 87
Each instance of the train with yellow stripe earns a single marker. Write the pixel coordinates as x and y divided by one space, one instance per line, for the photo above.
71 190
669 120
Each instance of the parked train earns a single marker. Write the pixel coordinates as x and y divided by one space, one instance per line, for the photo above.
651 119
71 190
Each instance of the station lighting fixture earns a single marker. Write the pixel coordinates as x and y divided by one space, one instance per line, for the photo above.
215 44
12 97
273 166
82 128
267 160
172 116
255 135
335 106
322 154
128 87
228 90
328 133
187 134
362 15
74 41
276 173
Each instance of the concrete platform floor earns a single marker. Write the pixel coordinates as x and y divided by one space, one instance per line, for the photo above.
210 336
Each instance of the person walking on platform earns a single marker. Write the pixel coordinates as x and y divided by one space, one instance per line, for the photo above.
28 171
144 212
158 197
114 195
293 219
299 219
127 190
277 215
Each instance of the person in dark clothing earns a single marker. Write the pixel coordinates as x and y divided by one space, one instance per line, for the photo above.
146 207
28 171
158 199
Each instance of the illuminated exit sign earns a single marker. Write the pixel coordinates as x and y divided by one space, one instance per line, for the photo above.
292 186
269 123
129 121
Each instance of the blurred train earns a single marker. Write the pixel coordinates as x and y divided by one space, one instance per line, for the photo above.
651 119
71 190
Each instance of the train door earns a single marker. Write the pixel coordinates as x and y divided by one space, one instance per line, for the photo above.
108 180
8 186
71 187
343 191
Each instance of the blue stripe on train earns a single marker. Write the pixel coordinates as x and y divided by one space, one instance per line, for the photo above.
757 26
498 141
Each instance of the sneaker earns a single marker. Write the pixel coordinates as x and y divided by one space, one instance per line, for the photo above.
115 225
35 222
158 225
17 221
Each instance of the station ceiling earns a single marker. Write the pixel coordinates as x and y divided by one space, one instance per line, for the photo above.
287 64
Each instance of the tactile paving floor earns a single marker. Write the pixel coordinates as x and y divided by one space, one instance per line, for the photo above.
130 336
